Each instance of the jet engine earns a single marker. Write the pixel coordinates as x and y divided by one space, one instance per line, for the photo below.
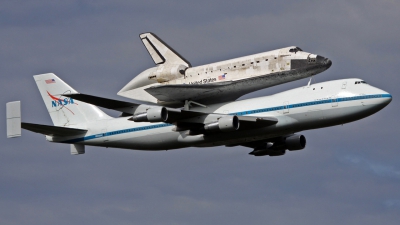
292 143
295 142
168 72
224 124
155 114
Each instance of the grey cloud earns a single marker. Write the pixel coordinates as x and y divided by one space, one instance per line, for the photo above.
379 169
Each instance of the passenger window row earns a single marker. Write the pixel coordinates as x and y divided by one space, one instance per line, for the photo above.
308 104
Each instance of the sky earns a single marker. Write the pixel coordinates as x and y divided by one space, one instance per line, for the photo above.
347 174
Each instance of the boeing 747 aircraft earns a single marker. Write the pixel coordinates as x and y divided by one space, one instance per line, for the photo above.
174 80
269 125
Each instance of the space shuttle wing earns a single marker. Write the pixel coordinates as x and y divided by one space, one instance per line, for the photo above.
204 93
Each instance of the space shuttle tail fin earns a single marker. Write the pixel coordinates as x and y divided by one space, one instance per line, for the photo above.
161 52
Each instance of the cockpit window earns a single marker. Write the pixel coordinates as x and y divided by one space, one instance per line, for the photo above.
297 49
360 82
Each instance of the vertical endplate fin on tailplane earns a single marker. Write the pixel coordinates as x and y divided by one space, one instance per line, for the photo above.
13 119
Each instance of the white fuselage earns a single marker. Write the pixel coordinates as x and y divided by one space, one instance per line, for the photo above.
310 107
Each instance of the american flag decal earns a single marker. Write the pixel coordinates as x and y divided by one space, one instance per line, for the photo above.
221 77
50 81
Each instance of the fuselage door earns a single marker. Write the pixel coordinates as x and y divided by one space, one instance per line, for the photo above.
104 133
334 101
285 107
344 84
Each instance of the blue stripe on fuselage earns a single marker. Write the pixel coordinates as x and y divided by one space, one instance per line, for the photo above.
248 112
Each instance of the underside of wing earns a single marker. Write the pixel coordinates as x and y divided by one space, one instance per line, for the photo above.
52 130
196 92
216 92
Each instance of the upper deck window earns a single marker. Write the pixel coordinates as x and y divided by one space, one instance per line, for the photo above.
360 82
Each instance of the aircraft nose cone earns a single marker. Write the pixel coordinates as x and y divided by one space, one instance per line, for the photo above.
386 99
324 61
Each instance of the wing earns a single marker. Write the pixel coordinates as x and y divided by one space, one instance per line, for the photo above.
183 119
101 102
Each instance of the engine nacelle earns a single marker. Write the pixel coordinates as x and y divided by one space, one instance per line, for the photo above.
167 72
155 114
224 124
295 142
270 149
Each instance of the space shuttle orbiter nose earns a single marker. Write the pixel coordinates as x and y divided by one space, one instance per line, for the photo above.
324 61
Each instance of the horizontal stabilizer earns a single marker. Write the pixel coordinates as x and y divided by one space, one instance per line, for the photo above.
52 130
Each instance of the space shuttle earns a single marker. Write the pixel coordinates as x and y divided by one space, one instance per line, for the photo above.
174 81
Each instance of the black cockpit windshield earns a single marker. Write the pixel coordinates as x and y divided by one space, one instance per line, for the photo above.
296 49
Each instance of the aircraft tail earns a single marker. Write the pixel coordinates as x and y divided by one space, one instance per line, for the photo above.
65 111
161 52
